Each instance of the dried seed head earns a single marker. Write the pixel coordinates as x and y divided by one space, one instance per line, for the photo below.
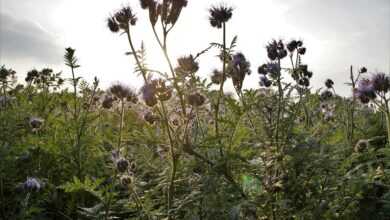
292 45
121 91
217 76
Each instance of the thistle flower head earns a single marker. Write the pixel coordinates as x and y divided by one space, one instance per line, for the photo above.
329 83
219 15
381 82
32 184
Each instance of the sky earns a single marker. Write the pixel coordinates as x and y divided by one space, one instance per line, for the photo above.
337 34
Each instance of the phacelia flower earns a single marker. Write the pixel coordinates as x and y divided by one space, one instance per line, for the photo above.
196 99
149 94
187 65
292 45
381 82
302 50
108 102
304 82
121 91
326 95
217 76
125 180
220 15
32 184
121 19
122 164
365 91
363 70
276 49
265 82
35 123
329 83
240 68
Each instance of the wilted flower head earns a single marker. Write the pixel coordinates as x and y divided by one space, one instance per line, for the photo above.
220 15
240 68
35 123
329 83
187 64
381 82
121 19
304 82
196 99
32 184
365 91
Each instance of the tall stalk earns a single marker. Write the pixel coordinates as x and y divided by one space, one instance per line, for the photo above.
220 93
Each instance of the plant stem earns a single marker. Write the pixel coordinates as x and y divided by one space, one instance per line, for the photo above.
173 161
220 94
144 74
121 124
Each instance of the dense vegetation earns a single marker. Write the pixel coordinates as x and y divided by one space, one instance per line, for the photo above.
183 148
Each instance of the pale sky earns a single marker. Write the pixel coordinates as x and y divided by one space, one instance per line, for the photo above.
337 33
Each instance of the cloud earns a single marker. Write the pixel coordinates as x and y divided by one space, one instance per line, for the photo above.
23 39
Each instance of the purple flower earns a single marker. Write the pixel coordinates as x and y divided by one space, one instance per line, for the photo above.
365 91
265 82
381 82
32 184
149 94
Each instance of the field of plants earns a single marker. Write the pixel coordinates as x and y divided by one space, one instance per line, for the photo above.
182 147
